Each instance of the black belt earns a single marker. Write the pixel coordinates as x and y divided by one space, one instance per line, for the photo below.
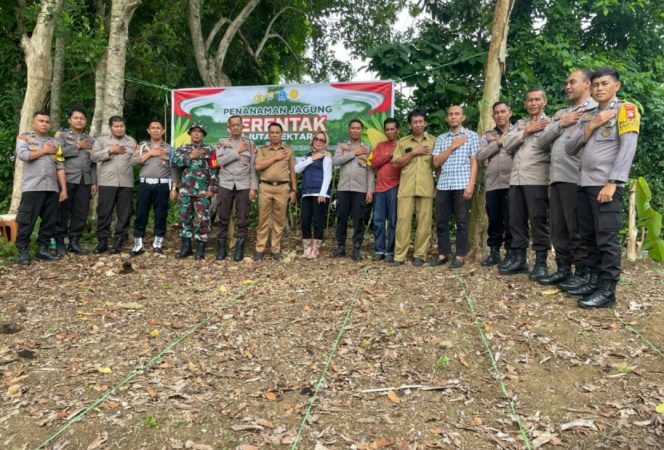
274 183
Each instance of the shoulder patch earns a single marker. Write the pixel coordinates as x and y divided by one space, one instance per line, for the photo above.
629 119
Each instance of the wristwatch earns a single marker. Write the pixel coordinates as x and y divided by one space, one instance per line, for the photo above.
617 182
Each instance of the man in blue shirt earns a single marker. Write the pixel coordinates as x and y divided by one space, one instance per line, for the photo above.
454 154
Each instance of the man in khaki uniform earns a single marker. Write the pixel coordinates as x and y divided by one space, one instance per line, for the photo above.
276 163
416 190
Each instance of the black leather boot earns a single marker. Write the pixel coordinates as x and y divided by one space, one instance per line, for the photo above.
340 252
75 246
539 269
603 297
117 246
509 256
102 246
585 289
23 257
60 249
518 263
43 253
580 278
357 256
493 258
238 253
221 249
185 249
200 250
563 273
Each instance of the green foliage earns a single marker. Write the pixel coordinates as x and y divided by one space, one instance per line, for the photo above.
649 219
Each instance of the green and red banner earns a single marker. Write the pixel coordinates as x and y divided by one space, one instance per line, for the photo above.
301 109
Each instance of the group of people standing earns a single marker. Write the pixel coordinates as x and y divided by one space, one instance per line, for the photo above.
558 178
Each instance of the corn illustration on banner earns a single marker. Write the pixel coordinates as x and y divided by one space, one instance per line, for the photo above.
301 109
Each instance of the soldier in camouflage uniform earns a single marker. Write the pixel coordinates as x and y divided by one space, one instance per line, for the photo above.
198 183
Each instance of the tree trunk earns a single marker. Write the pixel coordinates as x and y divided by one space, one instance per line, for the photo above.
100 81
495 64
58 70
37 50
116 58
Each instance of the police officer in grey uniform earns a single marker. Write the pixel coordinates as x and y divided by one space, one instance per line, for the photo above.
564 175
608 139
43 177
81 174
528 195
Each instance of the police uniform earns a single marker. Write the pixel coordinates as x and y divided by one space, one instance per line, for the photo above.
607 158
199 176
563 179
81 174
39 197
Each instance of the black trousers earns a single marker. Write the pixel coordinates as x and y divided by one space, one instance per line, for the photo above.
34 205
529 203
352 204
111 197
225 200
313 212
498 211
600 225
151 196
563 220
73 212
446 203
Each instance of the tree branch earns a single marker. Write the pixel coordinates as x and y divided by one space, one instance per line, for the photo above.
217 26
232 30
200 54
268 33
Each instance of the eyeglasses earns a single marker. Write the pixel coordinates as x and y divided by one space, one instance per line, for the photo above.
322 141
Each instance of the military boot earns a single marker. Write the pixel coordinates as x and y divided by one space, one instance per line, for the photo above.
185 249
23 257
238 251
75 246
580 278
518 263
102 246
117 246
539 269
603 297
221 249
60 249
563 273
200 250
357 255
493 258
509 256
340 252
585 289
44 253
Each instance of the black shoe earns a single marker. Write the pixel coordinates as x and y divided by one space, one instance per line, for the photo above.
418 262
396 263
259 256
23 257
457 263
603 297
580 278
277 256
75 246
509 256
221 249
539 269
60 249
563 273
437 261
44 254
340 252
238 254
357 256
585 289
493 258
389 258
185 250
117 246
518 263
102 246
378 257
200 250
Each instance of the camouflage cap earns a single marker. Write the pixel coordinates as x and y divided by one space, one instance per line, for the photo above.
198 125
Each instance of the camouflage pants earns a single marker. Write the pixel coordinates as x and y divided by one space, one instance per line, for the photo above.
195 217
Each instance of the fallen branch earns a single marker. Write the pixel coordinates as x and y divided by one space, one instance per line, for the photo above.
421 387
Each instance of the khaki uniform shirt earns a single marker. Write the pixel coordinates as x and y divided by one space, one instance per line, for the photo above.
237 169
499 161
114 170
354 174
77 161
564 167
39 174
280 170
417 175
530 166
155 166
610 149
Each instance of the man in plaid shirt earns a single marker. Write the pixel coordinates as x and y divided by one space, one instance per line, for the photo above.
454 155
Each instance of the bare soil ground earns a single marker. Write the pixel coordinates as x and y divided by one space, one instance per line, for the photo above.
241 348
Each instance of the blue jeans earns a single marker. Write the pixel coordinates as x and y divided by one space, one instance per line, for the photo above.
385 209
